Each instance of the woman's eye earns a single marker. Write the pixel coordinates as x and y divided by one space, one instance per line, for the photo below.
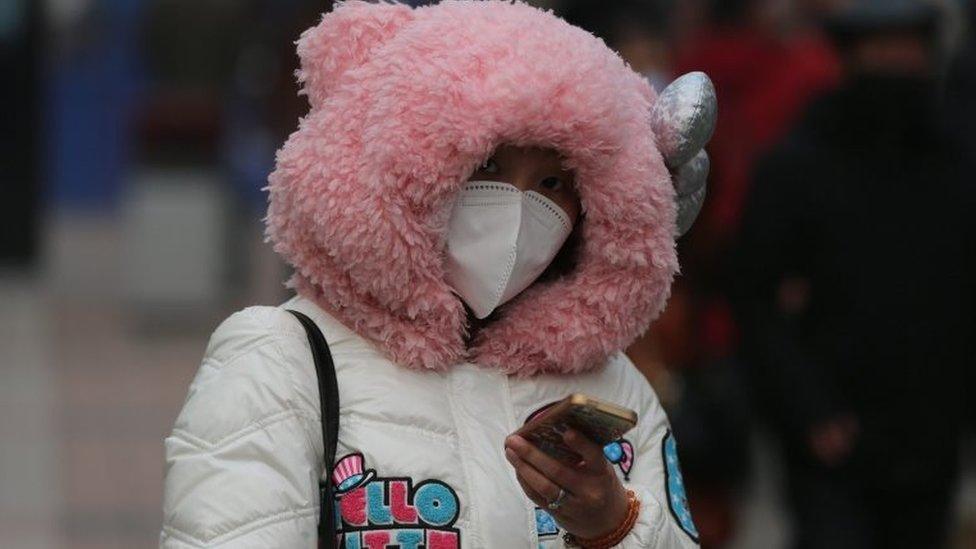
489 166
551 184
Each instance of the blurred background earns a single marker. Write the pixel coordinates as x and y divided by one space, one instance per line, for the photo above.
816 357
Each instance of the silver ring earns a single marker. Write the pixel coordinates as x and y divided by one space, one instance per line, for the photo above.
557 503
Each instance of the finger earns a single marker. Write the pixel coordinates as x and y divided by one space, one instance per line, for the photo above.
556 471
540 485
536 497
591 452
564 512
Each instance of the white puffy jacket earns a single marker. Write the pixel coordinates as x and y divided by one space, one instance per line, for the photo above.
243 460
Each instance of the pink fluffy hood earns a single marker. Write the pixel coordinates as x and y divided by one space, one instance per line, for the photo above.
405 104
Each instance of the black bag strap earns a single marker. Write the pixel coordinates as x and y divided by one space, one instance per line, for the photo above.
329 403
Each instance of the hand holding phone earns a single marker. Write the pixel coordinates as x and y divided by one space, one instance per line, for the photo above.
600 421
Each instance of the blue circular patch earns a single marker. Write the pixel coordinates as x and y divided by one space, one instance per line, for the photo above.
613 452
675 486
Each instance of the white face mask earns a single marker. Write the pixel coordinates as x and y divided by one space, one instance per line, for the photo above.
499 241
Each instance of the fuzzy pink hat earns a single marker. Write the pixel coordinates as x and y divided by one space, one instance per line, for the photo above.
405 103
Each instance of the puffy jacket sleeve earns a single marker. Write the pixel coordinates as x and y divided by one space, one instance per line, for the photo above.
664 521
243 460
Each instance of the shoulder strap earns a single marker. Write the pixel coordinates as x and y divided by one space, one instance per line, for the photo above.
329 403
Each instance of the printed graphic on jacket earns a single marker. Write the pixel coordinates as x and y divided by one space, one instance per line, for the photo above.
376 512
675 486
619 452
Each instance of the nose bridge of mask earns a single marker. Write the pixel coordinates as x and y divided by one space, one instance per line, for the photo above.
489 193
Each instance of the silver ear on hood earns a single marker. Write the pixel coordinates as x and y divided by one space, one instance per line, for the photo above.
683 120
683 117
689 186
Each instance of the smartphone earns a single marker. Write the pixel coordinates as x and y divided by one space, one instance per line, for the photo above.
600 421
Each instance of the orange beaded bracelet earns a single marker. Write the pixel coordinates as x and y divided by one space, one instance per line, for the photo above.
614 537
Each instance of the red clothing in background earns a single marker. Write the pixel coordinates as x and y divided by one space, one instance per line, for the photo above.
762 83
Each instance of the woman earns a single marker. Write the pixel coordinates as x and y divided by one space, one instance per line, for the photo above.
479 218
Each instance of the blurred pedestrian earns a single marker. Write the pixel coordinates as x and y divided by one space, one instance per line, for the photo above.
20 138
480 219
961 87
856 291
771 61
